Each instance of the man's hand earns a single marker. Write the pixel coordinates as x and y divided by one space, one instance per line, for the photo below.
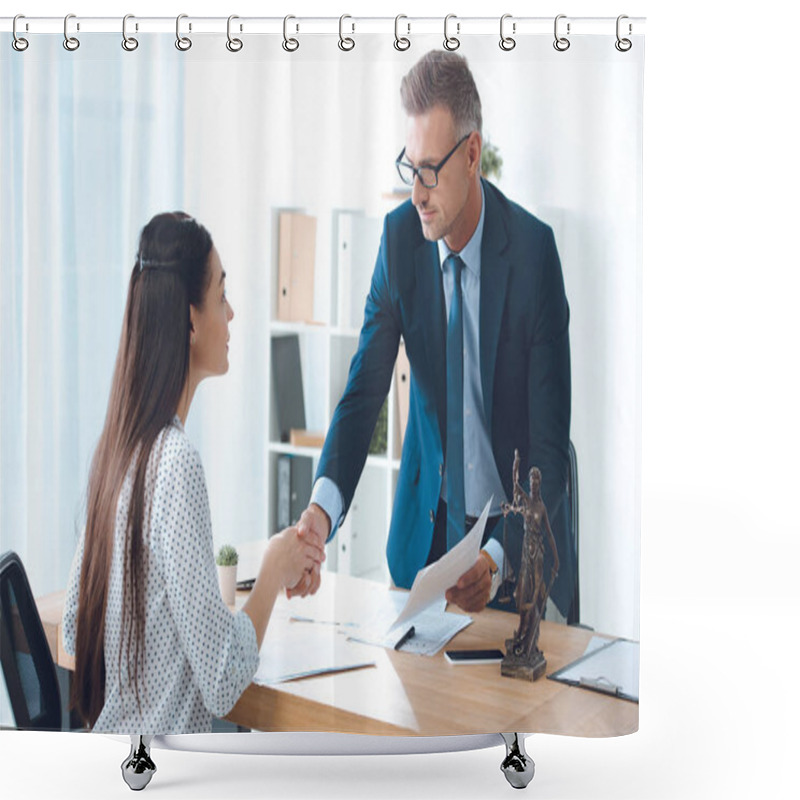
471 592
314 525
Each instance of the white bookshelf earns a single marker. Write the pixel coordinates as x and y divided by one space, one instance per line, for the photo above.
346 247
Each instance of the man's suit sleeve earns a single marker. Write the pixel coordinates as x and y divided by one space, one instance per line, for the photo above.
347 443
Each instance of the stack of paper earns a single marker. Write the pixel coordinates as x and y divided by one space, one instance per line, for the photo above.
417 622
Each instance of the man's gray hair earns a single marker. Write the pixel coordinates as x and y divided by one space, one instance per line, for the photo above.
442 78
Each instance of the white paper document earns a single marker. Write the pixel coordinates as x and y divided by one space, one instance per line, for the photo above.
434 580
306 649
417 622
425 634
379 629
606 666
432 631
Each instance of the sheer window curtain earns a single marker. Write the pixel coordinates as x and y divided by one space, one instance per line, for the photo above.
91 150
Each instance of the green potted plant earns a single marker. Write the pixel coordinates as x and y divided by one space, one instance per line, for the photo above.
491 161
227 559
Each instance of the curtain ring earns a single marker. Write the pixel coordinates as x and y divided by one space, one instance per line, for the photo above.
401 43
181 42
19 44
70 42
128 42
561 43
345 42
506 42
623 45
289 45
233 45
451 42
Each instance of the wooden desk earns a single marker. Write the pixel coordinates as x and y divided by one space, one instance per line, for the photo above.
413 695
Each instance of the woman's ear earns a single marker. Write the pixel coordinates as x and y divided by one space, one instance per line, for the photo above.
192 314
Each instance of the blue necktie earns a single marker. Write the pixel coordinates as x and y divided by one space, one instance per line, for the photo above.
456 512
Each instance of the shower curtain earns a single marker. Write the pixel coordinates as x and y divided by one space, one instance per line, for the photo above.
287 155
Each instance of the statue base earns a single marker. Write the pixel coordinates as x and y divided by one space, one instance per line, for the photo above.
526 668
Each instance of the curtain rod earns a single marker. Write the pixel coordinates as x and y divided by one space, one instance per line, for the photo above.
462 26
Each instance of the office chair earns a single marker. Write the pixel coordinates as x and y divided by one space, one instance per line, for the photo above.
574 616
28 666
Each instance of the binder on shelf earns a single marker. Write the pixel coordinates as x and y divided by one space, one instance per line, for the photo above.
302 475
357 239
402 384
297 235
287 378
295 474
284 473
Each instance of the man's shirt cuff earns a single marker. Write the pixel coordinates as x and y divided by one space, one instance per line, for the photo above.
495 550
327 496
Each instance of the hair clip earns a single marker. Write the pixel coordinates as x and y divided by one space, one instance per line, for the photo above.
149 263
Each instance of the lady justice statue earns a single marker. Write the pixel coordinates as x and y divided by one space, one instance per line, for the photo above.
523 658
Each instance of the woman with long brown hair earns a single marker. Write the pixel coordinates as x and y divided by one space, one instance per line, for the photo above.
156 649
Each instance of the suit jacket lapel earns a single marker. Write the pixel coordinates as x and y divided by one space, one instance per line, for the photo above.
494 283
430 296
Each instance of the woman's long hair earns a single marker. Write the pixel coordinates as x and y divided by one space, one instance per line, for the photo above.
171 272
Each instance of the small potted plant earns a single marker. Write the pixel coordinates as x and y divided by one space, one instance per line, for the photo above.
491 161
227 559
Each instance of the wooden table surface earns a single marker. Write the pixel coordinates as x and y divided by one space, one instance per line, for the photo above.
408 694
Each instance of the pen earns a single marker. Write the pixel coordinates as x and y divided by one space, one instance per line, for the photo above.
600 684
404 638
295 618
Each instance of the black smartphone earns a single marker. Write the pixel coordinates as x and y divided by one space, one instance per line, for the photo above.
474 656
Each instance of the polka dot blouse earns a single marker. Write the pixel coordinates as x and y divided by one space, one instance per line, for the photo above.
198 655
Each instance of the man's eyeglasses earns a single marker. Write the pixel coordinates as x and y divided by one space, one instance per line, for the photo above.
428 176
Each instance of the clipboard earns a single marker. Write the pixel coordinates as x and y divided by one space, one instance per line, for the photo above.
611 668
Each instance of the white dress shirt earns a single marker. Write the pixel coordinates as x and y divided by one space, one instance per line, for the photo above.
481 479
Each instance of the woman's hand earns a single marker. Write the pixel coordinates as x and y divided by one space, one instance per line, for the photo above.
288 557
294 556
314 526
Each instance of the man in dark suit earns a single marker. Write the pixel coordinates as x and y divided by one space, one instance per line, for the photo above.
473 284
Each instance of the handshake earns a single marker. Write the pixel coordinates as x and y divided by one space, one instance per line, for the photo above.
471 592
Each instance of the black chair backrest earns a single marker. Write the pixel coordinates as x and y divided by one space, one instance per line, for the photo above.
574 616
28 667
